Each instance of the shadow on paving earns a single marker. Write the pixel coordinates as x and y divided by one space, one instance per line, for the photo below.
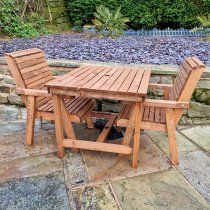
105 166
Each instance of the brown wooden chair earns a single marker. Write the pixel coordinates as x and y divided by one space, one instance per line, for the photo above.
164 115
31 72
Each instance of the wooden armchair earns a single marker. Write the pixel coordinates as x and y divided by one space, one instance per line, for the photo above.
31 72
164 115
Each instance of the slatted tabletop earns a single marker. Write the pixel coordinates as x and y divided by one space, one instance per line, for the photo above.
98 81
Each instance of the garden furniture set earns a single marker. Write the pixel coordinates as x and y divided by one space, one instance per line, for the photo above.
71 98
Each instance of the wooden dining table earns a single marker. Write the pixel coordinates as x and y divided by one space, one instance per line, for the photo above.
125 84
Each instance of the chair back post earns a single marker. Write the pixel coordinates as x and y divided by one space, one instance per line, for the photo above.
15 73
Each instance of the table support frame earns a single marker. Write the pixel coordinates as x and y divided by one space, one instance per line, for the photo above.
62 123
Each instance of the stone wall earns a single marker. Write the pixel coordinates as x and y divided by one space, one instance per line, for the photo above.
56 15
198 113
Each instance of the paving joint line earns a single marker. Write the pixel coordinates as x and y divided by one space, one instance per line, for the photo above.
115 196
190 184
176 167
198 146
69 189
86 167
162 152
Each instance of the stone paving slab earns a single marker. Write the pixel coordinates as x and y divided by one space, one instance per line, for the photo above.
42 192
166 190
97 197
103 166
75 169
195 166
13 127
200 135
9 113
30 166
161 140
13 146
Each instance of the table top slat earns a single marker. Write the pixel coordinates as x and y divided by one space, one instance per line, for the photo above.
144 83
136 82
61 78
117 84
128 81
90 83
75 82
68 77
112 79
86 79
103 79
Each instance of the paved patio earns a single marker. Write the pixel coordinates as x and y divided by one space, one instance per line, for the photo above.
34 178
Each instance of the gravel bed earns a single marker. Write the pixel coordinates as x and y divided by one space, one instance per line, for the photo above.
148 50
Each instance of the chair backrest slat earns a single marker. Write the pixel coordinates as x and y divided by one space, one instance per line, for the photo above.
187 79
30 63
30 69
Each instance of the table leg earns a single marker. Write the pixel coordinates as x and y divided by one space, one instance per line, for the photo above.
137 127
58 125
130 128
67 123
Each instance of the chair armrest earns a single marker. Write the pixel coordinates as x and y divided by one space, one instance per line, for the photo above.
160 86
33 92
165 103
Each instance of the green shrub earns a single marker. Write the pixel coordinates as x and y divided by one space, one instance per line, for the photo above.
204 25
12 25
144 14
112 21
82 11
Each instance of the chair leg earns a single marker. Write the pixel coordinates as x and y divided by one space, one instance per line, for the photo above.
58 125
30 120
170 120
89 121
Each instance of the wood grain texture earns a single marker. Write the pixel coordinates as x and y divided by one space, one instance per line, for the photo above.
97 146
137 127
30 122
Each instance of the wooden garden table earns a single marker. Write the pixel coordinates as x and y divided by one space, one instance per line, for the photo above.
100 82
